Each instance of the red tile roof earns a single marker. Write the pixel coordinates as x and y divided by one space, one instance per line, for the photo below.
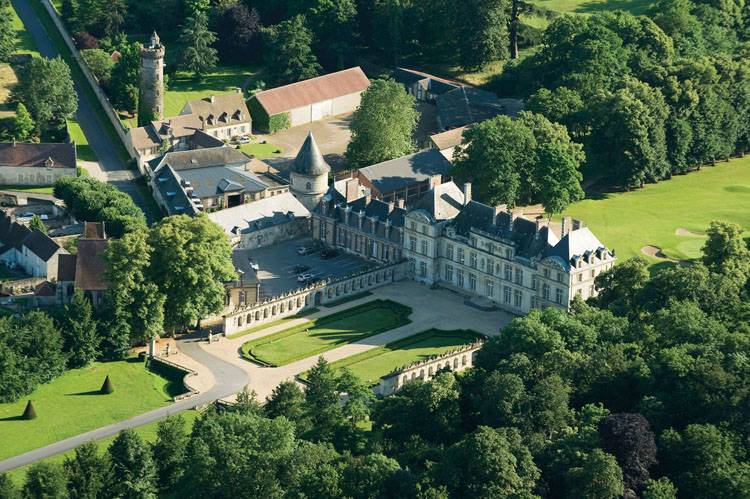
90 265
304 93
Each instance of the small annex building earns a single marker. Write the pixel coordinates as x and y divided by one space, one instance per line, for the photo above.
36 164
308 100
222 116
85 271
29 250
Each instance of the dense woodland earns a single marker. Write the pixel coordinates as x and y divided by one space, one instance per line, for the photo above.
643 392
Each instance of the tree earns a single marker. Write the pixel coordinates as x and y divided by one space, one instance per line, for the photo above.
133 302
359 396
482 32
80 332
86 472
125 77
36 223
286 400
598 477
169 451
322 400
46 88
198 55
8 489
618 288
190 263
23 124
100 63
561 105
383 124
287 52
238 30
725 250
489 463
132 470
558 178
629 438
7 32
333 24
368 476
659 489
44 480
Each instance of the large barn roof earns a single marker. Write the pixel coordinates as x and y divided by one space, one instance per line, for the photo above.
303 93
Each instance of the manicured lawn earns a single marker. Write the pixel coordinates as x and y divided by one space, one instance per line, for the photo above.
24 41
261 151
326 333
27 188
272 324
7 82
71 404
591 6
369 366
651 216
83 149
147 432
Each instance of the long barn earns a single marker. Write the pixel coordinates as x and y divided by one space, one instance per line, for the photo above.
309 100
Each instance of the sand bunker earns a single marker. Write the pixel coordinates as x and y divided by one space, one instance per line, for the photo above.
687 233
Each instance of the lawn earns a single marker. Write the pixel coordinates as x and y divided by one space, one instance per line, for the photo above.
147 432
327 332
24 42
369 366
261 151
28 188
652 215
84 151
584 7
71 404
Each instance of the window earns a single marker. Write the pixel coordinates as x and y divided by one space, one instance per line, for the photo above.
491 247
412 243
506 294
424 229
425 248
243 298
508 272
508 253
423 269
545 291
473 260
518 299
580 277
460 255
449 273
473 242
559 296
534 283
412 226
460 278
490 267
472 282
519 276
559 277
449 252
308 186
593 273
546 273
591 291
490 289
412 265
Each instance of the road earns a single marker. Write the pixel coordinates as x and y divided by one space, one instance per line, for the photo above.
230 379
114 169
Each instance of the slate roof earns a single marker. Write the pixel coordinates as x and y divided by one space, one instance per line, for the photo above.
303 93
241 259
90 265
398 173
219 110
151 136
442 202
467 105
202 158
66 268
15 235
309 160
37 155
431 83
178 202
375 212
261 214
41 245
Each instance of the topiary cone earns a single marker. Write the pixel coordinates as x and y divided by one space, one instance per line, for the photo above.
29 412
107 386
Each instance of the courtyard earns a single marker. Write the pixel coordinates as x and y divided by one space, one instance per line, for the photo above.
323 334
280 264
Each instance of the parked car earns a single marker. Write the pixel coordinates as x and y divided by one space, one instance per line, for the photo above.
305 250
306 277
244 140
299 269
329 253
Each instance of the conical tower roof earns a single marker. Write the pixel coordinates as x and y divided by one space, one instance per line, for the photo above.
309 160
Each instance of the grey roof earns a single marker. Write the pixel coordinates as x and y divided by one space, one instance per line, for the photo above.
201 158
258 215
214 180
309 160
219 110
15 235
395 174
37 155
467 105
241 258
431 83
576 243
170 187
375 213
442 202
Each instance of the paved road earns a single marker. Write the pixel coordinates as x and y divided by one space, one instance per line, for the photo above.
115 170
229 380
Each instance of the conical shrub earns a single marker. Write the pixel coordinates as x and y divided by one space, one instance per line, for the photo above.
29 412
107 386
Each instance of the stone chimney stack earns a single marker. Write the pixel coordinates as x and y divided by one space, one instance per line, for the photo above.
352 189
435 180
577 224
467 193
400 203
564 227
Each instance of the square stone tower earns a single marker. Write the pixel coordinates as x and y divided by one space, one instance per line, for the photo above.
151 95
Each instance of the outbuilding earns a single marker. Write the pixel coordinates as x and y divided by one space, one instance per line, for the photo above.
309 100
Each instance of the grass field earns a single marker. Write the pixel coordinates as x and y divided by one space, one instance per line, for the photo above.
369 366
326 333
261 151
591 6
24 42
84 151
71 404
28 188
147 432
651 216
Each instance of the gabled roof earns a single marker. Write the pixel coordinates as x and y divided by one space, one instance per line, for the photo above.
467 105
222 109
309 160
304 93
90 265
41 245
37 155
576 243
15 235
442 202
395 174
250 217
202 158
448 139
432 83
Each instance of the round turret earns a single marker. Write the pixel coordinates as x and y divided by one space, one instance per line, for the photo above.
309 174
151 94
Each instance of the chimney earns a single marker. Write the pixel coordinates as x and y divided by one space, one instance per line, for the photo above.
352 189
539 224
212 99
577 224
435 180
391 206
564 226
467 193
511 219
400 203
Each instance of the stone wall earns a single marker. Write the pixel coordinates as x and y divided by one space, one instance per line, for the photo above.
457 360
294 302
109 111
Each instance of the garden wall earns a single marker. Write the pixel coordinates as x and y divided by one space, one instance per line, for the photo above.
318 294
173 372
100 95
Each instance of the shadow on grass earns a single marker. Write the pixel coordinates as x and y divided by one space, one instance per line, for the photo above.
633 6
90 392
12 418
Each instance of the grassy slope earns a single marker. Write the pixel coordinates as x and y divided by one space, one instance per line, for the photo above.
326 333
591 6
650 216
147 432
369 366
70 404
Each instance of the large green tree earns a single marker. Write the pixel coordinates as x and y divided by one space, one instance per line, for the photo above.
86 472
482 32
7 31
132 469
383 125
190 263
287 51
198 54
46 88
170 451
80 331
45 480
23 124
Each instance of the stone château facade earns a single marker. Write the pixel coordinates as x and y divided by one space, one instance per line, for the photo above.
151 95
